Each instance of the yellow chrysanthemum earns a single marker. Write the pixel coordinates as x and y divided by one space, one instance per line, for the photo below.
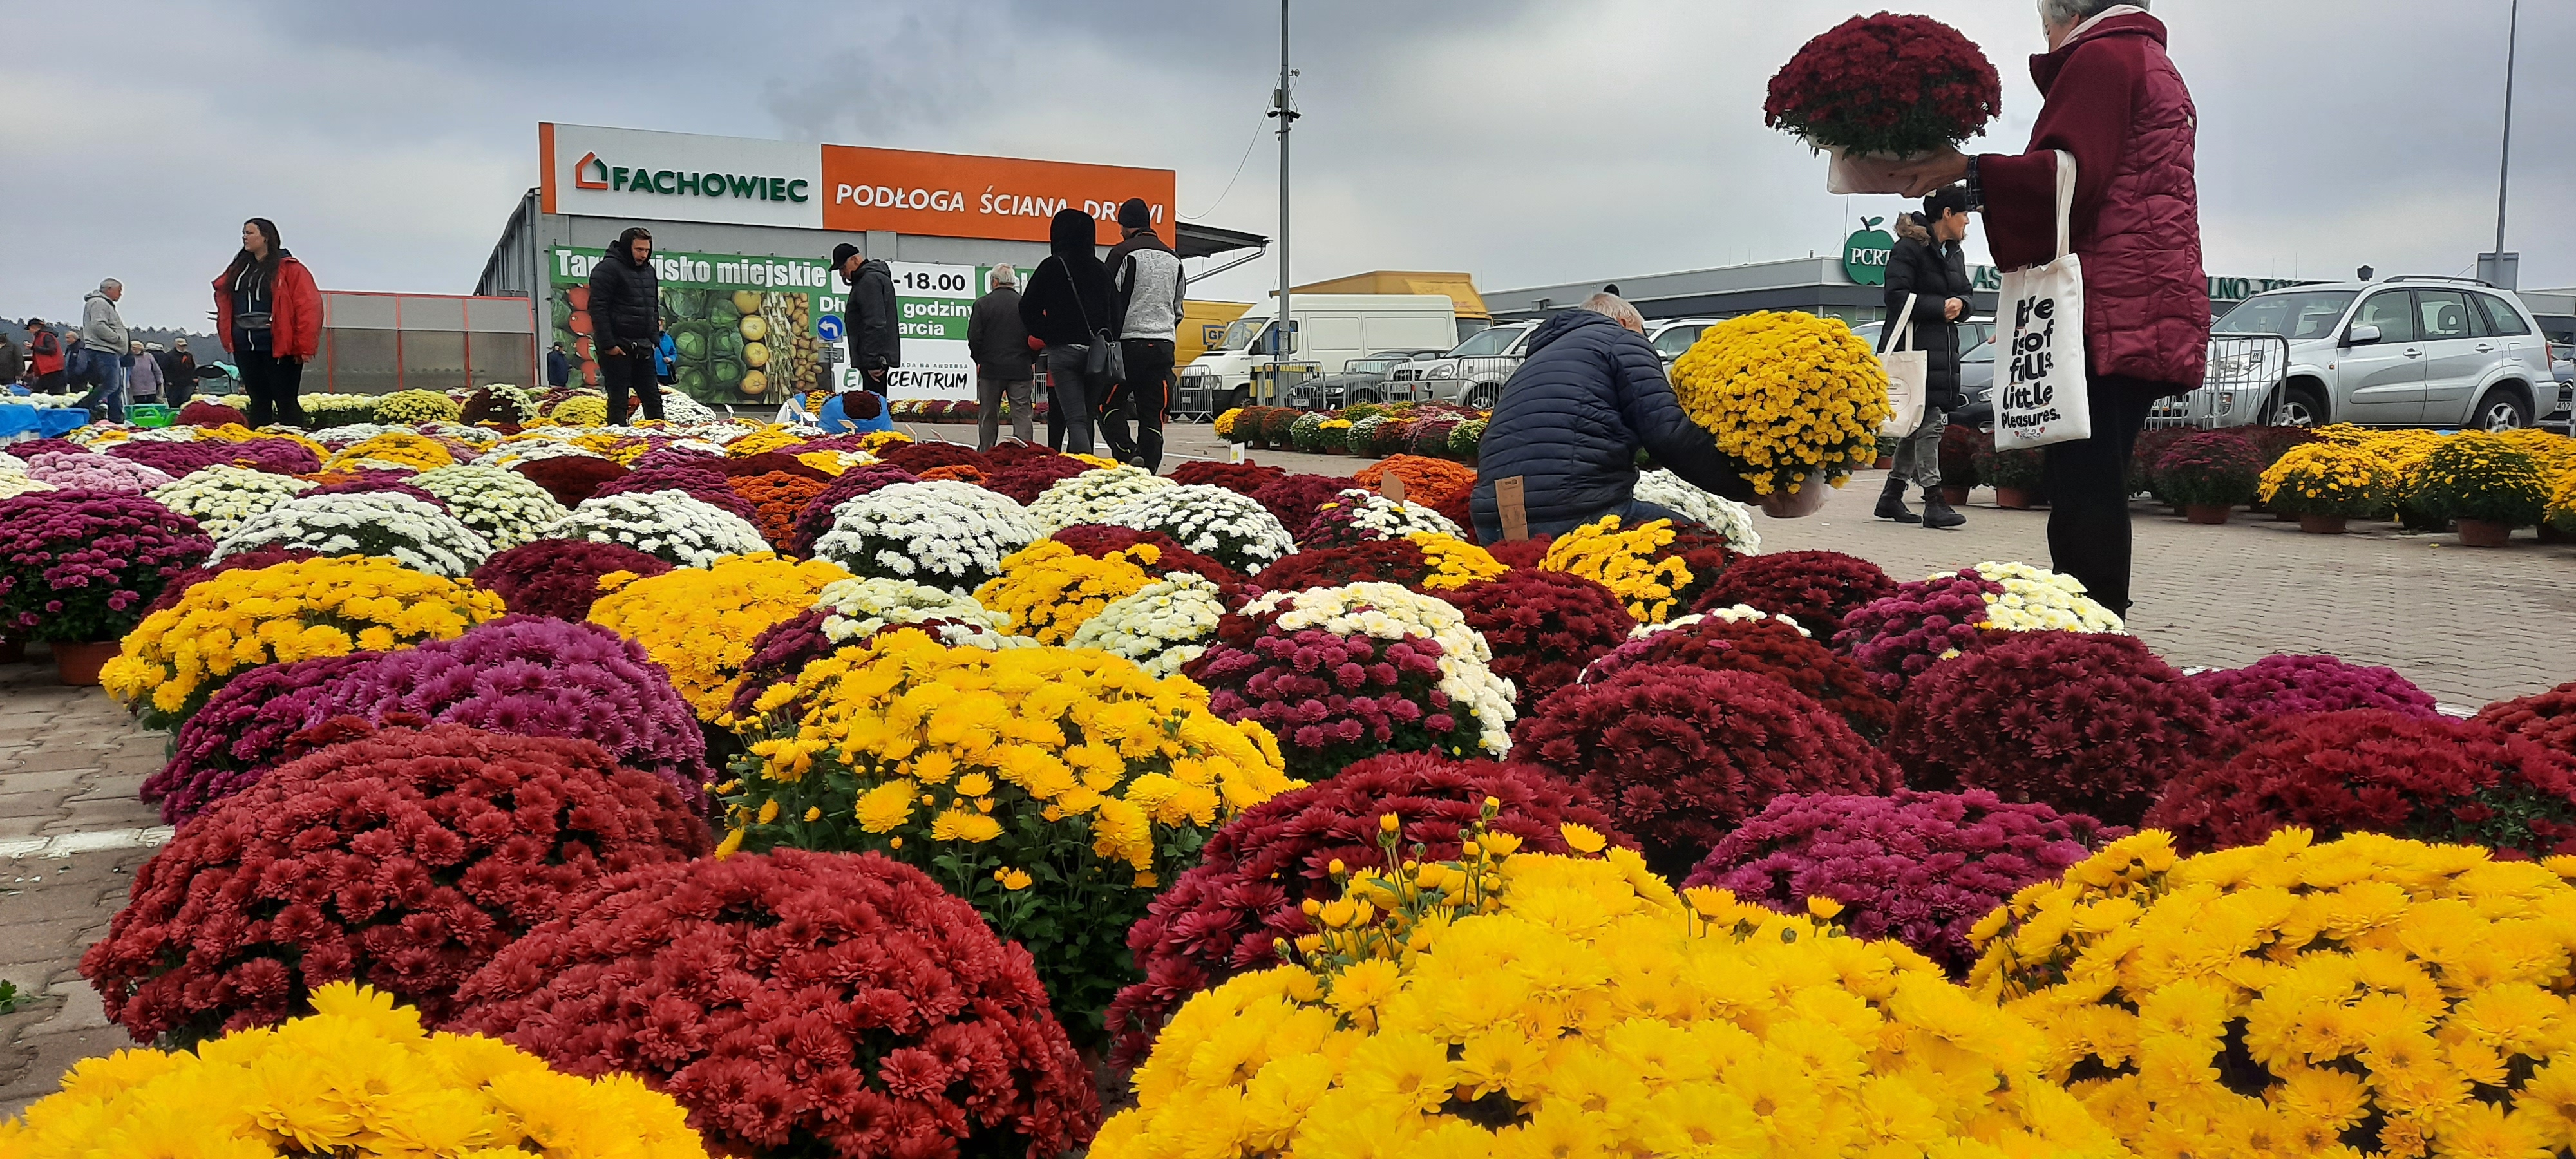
1624 561
700 622
1787 395
1049 590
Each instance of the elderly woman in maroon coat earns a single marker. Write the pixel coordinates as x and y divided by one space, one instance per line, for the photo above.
2113 100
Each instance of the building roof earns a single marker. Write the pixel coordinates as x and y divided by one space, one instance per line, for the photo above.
1197 241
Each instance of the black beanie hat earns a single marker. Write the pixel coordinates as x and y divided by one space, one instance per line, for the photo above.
841 254
1946 198
1133 213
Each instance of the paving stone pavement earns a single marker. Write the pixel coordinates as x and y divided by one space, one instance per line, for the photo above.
71 764
2470 626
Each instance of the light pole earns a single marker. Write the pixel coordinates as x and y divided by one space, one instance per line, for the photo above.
2500 268
1283 324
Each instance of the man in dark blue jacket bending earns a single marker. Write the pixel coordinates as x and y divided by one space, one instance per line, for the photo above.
1570 422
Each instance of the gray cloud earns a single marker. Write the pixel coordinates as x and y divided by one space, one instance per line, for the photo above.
1526 142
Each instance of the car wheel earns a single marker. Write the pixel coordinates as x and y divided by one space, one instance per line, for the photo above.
2503 410
2300 406
1482 395
1237 399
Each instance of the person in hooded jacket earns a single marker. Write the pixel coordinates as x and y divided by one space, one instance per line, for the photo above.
1571 420
2112 99
44 357
626 313
1929 269
876 341
268 315
1067 304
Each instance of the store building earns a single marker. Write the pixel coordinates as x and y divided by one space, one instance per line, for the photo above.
743 231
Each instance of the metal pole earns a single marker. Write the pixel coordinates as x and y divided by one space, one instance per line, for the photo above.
2504 166
1279 109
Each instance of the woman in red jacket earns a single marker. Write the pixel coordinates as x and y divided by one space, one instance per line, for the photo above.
2113 100
269 315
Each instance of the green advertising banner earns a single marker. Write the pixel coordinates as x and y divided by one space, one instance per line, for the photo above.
751 329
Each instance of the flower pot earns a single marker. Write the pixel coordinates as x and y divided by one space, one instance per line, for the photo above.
13 651
77 664
1343 449
2008 498
1884 463
1875 173
2484 533
2212 513
1954 496
2549 533
2323 524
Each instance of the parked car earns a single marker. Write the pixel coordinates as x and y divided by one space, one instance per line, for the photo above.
1471 373
1673 336
2407 351
1328 331
1360 380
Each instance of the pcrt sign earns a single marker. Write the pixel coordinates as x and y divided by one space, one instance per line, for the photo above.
1866 251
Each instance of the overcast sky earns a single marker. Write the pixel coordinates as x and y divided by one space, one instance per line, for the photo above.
1525 142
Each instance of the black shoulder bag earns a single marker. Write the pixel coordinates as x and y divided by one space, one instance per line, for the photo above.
1106 363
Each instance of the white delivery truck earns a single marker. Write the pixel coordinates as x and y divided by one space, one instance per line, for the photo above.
1328 331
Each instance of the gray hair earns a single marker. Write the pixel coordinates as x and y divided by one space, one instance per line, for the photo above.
1004 275
110 284
1616 307
2056 12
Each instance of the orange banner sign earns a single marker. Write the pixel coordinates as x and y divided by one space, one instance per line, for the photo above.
956 195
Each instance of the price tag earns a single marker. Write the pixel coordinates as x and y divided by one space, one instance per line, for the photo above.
1508 504
1392 487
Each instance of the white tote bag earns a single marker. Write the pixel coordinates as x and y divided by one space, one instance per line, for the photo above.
1908 372
2039 387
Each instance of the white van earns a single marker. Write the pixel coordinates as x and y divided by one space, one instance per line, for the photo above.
1331 330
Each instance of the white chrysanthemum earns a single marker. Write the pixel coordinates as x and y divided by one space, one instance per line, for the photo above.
1386 611
859 608
416 534
1375 516
942 532
511 454
1161 626
220 497
1090 496
353 433
681 410
1211 521
12 464
669 525
500 504
471 436
2036 599
1726 516
1736 614
16 483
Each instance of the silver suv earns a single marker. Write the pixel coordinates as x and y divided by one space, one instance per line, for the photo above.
2405 352
1472 372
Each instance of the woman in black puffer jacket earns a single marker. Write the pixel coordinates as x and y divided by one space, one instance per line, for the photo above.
1069 297
1929 267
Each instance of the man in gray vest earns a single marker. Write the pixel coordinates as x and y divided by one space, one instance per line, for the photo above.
1151 290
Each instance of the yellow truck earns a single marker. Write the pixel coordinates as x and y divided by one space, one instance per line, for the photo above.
1203 328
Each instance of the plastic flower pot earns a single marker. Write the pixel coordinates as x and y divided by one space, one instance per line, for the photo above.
1874 173
2549 533
1337 448
1954 496
77 663
2323 524
13 651
2484 533
2209 513
2008 498
1884 463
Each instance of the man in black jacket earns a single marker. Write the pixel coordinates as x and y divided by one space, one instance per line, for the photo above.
626 321
1004 364
876 341
1572 418
1929 267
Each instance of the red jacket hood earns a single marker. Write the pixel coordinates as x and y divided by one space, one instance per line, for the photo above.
2044 66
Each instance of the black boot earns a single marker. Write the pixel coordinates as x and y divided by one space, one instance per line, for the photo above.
1891 504
1939 515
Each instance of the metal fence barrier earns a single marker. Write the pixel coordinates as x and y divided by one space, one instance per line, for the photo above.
2242 386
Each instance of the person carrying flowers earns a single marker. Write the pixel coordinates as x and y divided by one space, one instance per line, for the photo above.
1571 419
2113 100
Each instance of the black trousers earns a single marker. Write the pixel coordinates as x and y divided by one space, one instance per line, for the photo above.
272 385
631 370
1144 397
2088 489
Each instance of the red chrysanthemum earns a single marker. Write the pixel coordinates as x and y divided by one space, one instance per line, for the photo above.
1240 478
796 1003
559 577
403 859
1888 84
1229 914
1815 588
1768 647
2547 717
2372 770
1680 755
570 478
2085 722
1543 627
1294 498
